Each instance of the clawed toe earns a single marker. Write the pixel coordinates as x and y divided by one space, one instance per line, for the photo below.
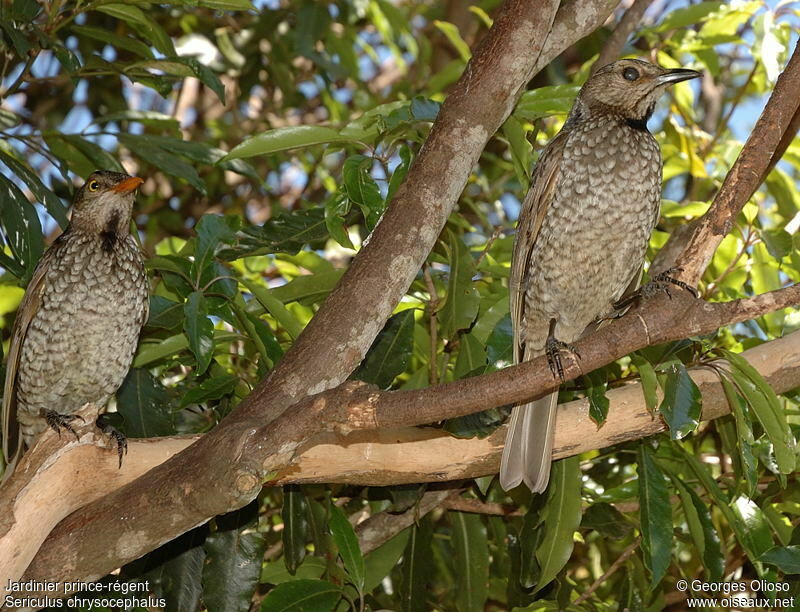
57 421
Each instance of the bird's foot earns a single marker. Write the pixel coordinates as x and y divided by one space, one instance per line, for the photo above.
553 348
104 422
58 421
660 283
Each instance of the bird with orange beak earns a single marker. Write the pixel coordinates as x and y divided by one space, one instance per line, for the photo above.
78 325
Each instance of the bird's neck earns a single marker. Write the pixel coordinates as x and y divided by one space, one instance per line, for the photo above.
109 225
636 118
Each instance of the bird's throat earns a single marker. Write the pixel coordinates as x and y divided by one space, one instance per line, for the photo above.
111 232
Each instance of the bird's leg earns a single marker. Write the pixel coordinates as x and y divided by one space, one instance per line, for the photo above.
553 348
58 421
660 283
104 422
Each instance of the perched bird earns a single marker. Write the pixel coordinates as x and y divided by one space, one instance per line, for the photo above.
582 237
79 321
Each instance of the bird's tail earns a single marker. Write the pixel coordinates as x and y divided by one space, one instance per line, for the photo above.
529 445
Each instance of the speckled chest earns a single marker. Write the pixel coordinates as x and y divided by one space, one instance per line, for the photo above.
81 340
594 234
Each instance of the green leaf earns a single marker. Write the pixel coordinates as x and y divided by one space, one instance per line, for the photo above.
471 356
785 558
400 172
417 568
97 155
683 17
51 202
199 330
336 208
163 160
390 352
212 230
227 5
283 139
347 542
297 595
144 404
380 562
606 520
233 560
561 516
764 403
778 242
112 38
295 527
361 188
649 380
22 231
471 558
308 289
596 394
173 571
520 149
546 101
500 345
285 233
275 572
655 515
453 35
744 438
164 313
262 334
210 389
705 536
751 526
462 302
682 404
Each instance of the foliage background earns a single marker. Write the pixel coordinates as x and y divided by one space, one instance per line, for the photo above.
322 107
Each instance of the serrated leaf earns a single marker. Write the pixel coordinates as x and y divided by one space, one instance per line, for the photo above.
347 542
199 330
390 352
655 515
233 560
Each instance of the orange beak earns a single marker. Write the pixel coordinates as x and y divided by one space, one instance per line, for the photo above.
128 185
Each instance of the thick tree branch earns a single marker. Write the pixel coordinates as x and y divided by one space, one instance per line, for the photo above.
332 345
771 132
614 44
264 450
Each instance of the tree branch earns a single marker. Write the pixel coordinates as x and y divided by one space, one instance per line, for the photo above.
266 449
517 46
771 132
614 44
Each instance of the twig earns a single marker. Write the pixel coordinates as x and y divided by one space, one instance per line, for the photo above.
614 567
432 309
614 44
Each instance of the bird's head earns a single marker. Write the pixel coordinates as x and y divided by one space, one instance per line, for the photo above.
629 88
105 202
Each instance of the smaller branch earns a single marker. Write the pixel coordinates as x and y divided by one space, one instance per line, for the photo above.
615 43
626 554
381 528
433 325
748 172
476 506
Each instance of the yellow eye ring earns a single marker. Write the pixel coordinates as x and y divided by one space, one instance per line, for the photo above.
93 186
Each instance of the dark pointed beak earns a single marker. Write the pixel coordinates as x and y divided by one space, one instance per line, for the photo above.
677 75
128 185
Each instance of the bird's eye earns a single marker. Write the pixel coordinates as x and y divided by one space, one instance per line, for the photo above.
630 74
93 186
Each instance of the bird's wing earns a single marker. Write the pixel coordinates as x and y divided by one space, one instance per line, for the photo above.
12 444
532 214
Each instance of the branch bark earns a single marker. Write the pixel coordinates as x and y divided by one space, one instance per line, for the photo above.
774 130
80 541
614 44
523 39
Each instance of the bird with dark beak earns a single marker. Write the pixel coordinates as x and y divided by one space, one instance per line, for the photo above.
78 325
581 238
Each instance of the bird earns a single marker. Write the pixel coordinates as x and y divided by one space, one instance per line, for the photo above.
77 327
581 239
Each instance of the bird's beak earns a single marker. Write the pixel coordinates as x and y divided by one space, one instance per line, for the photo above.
128 185
677 75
